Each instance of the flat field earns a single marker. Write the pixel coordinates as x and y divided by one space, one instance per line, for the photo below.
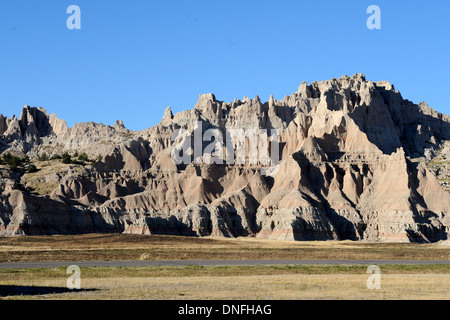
219 282
104 247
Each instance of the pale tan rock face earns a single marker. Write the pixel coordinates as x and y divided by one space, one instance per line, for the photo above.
356 161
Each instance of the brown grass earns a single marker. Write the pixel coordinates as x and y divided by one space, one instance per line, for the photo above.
253 282
35 180
155 247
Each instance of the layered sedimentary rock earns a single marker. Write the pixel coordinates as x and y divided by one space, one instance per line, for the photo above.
354 161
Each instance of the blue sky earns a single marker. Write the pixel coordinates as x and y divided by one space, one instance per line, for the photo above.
131 59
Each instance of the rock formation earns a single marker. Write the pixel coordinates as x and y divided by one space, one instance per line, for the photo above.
356 161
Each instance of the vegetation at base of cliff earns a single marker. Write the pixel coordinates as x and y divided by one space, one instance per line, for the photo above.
32 169
76 158
67 158
13 162
16 163
43 157
55 157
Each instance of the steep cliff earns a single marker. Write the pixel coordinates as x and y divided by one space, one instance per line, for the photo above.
349 159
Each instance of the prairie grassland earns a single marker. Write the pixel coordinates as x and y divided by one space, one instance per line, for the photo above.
219 282
232 282
155 247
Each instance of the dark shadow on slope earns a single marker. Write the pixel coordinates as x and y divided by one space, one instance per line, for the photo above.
400 123
413 185
169 226
424 218
3 146
40 119
304 231
313 179
234 219
46 216
381 134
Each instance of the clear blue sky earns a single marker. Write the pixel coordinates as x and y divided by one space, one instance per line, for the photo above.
131 59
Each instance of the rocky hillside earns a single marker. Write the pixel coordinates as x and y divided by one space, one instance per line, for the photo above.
356 161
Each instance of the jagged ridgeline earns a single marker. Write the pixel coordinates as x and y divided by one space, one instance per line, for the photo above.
356 161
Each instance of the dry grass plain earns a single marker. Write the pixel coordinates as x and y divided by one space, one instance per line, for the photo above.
215 282
103 247
231 282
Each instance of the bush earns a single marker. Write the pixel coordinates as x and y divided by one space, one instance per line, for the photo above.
6 158
66 158
43 157
13 161
32 168
83 157
55 157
